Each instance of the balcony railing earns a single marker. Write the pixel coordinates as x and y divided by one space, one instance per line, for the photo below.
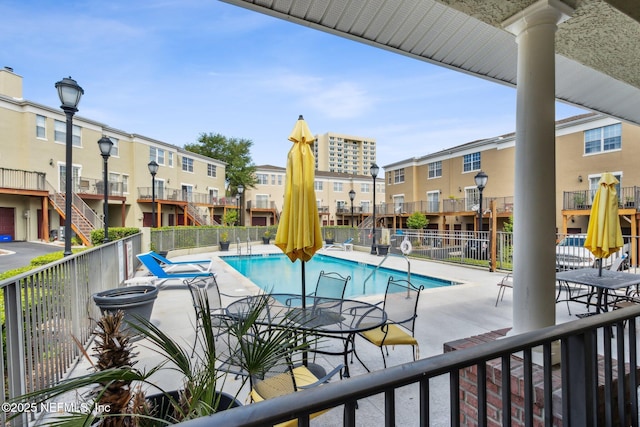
628 198
45 307
22 180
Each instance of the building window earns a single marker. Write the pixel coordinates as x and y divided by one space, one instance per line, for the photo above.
170 159
262 178
606 138
317 185
157 154
364 188
41 127
262 201
337 186
211 170
279 179
471 162
435 169
433 201
398 176
125 183
187 164
273 179
115 150
60 133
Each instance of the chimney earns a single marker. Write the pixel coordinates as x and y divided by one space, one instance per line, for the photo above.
10 83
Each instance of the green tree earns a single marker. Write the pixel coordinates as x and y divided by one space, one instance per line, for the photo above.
508 225
234 152
417 221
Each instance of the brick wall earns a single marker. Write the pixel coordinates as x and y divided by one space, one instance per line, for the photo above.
495 410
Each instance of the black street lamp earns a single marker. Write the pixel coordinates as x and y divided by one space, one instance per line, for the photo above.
352 195
153 169
105 145
481 181
374 169
70 94
238 207
240 191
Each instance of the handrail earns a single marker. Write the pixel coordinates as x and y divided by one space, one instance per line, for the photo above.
364 284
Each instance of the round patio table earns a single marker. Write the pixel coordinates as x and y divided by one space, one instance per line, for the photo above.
323 317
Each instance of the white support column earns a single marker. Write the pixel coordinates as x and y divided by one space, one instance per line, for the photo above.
535 179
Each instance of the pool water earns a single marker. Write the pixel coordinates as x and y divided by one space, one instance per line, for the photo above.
275 273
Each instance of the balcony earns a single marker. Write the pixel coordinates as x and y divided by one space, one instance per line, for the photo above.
594 350
628 198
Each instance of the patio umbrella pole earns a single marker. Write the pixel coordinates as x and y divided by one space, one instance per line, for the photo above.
305 357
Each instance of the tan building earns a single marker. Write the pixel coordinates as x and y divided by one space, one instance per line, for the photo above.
442 185
32 174
264 202
344 153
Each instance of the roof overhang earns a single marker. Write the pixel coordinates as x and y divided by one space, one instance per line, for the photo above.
597 49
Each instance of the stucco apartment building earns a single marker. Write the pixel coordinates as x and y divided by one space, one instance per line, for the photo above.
442 184
264 202
32 174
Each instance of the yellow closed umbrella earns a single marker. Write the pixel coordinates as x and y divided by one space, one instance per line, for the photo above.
604 236
299 235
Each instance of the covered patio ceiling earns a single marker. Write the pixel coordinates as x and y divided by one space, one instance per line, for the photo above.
597 48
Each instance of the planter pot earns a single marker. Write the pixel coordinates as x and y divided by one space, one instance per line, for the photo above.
329 241
382 249
224 246
132 300
165 411
266 240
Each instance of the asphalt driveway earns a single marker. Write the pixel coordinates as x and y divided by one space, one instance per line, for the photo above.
20 254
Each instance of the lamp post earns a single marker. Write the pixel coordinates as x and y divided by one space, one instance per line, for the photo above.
238 207
153 169
352 195
70 94
481 181
240 191
105 145
374 169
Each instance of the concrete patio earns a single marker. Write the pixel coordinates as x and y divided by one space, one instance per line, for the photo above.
444 315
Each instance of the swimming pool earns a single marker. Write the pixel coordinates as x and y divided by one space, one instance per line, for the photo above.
277 274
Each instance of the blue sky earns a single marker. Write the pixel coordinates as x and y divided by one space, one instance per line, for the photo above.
174 69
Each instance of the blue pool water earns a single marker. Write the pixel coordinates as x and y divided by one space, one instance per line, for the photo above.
277 274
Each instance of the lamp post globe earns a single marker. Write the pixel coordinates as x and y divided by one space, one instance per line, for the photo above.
374 169
105 144
70 93
240 191
352 195
153 170
481 182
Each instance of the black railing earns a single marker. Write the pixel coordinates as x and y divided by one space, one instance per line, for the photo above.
582 390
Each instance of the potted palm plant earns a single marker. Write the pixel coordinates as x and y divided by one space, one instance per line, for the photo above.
224 241
328 237
266 237
385 242
118 397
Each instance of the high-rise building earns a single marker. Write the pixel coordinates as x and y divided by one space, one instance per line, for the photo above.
341 153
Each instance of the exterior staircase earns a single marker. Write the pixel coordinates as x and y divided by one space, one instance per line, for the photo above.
83 219
367 223
198 218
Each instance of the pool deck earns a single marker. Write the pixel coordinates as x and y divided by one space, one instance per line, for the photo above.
444 314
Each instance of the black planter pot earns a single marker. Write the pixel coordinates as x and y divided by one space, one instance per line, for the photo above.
266 240
164 410
224 246
329 241
382 249
132 300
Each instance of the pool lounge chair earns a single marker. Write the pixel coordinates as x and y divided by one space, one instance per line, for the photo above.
155 269
172 266
345 246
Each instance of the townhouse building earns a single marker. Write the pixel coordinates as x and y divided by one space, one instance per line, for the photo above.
264 202
33 171
442 184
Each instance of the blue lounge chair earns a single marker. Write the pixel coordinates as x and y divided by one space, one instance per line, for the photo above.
155 269
171 266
